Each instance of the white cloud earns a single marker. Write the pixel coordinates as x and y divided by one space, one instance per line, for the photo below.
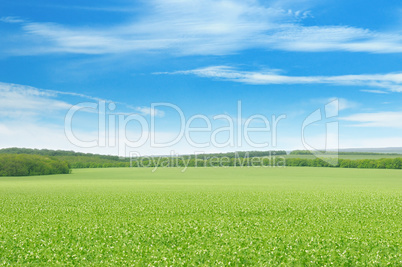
52 136
21 100
152 112
335 38
341 104
205 27
346 104
366 142
390 81
122 9
11 20
375 91
27 134
17 101
391 119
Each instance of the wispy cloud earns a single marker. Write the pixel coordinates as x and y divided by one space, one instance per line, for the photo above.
151 112
11 20
390 81
391 119
375 91
122 9
17 101
342 103
204 28
21 100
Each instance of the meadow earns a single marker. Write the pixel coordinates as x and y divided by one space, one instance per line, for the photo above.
204 216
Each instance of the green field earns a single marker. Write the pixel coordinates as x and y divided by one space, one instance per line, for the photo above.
204 216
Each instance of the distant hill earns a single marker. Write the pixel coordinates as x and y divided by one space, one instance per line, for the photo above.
385 150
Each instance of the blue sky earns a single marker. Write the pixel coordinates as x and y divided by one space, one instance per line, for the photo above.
275 57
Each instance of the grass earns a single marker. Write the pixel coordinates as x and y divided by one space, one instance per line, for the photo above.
204 216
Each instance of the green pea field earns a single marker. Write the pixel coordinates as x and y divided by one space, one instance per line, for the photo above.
290 216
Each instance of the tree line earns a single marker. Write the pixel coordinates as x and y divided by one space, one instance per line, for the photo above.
26 165
385 163
307 152
46 161
88 160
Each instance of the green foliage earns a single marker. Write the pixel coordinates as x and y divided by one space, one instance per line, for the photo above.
204 216
87 160
53 153
300 152
386 163
267 158
25 165
75 159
